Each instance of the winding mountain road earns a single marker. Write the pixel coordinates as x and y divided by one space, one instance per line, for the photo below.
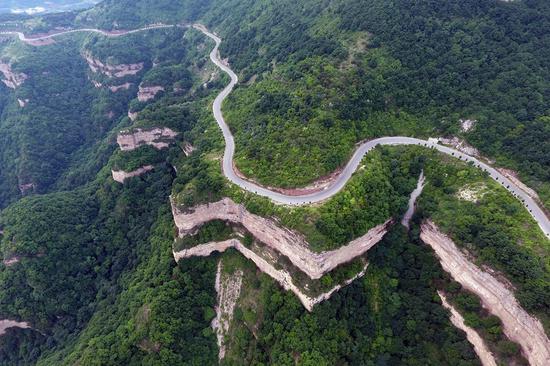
352 165
341 180
24 38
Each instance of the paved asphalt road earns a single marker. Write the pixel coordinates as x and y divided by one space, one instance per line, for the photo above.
352 165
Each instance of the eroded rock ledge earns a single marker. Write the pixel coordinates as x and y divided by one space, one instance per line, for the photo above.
486 357
12 79
288 243
5 324
159 138
281 276
112 71
146 93
495 296
120 175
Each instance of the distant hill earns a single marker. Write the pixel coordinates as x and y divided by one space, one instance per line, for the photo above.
42 6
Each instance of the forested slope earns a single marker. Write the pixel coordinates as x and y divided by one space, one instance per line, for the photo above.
88 261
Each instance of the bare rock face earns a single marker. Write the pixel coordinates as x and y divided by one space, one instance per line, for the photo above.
115 88
132 116
22 102
188 148
8 262
26 188
12 79
281 276
467 124
112 71
146 93
289 243
228 289
486 357
159 138
6 323
495 296
120 175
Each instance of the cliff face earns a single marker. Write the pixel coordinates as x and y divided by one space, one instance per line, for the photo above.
288 243
495 296
283 277
112 71
115 88
486 357
6 323
132 116
120 175
147 93
12 79
159 138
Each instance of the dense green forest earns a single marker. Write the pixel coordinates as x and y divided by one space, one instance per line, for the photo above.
88 261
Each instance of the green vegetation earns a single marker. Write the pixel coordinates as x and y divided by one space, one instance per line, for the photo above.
390 317
487 325
494 226
95 275
428 63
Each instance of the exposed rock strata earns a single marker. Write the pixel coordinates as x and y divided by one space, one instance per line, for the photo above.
146 93
132 116
120 175
6 323
495 296
12 79
159 138
289 243
228 290
115 88
281 276
486 357
112 71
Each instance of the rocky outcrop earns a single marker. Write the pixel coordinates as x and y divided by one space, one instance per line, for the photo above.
120 175
146 93
467 124
22 102
495 296
486 357
132 115
27 188
288 243
112 71
281 276
8 262
159 138
472 192
228 290
12 79
6 323
188 148
115 88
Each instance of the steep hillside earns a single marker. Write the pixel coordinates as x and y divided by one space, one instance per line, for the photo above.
111 181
